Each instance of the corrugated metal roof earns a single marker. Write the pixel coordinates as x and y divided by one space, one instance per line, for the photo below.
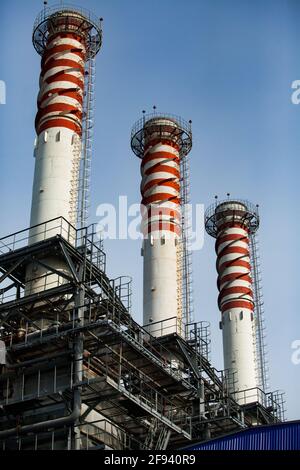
283 436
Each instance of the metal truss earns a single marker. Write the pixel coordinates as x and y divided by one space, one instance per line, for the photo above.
81 373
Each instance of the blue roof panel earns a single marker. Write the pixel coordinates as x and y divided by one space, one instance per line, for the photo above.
283 436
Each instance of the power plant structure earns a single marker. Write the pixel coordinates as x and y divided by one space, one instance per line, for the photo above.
233 223
79 371
163 143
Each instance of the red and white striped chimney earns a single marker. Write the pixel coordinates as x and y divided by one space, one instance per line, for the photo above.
232 223
161 141
66 38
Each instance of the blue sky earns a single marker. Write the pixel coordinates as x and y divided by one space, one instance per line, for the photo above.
226 64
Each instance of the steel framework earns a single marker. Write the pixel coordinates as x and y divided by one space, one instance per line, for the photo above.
81 373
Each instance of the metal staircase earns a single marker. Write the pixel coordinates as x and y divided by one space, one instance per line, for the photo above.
163 439
159 442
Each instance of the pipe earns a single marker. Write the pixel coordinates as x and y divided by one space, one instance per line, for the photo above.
78 365
38 360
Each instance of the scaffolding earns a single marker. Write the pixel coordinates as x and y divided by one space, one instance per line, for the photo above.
81 373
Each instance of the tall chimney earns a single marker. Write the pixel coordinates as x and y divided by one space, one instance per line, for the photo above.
67 38
232 222
160 141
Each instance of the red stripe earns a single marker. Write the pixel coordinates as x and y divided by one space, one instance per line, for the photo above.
233 277
236 290
61 63
61 35
61 108
160 182
229 264
231 241
62 48
61 122
231 237
233 249
54 57
165 155
162 168
70 92
160 197
237 304
241 291
151 143
64 77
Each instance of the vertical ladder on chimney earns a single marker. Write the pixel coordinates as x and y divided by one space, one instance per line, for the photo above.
76 145
259 320
186 253
87 138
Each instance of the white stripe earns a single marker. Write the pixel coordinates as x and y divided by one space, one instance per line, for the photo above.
46 88
60 99
237 310
150 172
159 176
64 55
234 230
166 204
60 41
235 283
60 68
162 148
161 189
233 257
232 244
235 270
235 296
